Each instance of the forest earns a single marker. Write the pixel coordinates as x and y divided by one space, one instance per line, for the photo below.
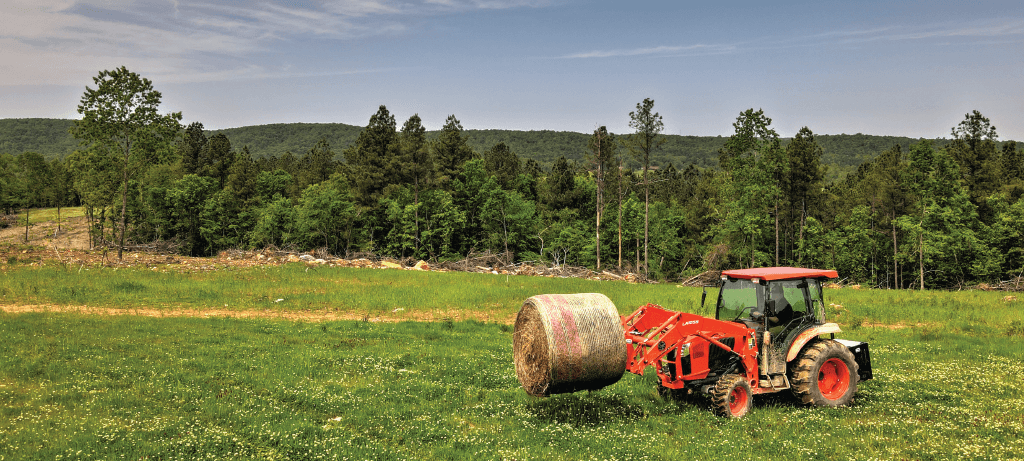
903 214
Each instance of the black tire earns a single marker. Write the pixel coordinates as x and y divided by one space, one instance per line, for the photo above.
679 395
665 393
824 374
731 397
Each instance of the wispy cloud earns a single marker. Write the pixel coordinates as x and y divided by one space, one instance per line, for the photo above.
66 41
666 51
978 30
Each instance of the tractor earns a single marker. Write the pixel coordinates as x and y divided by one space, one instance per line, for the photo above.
769 335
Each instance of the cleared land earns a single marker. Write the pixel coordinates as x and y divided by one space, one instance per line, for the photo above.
273 373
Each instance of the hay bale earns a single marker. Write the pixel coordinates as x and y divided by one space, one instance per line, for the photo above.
568 343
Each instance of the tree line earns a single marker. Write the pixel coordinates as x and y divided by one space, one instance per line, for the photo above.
921 215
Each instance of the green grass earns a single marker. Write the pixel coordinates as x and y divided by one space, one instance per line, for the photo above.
948 383
969 312
363 291
91 387
49 215
378 292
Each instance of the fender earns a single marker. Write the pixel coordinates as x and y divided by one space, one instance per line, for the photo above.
805 336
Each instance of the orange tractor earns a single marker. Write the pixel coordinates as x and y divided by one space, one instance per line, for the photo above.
769 335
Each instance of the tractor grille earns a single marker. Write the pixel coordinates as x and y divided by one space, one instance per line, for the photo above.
684 366
718 356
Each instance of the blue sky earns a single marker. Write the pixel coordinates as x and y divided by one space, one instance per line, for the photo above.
910 68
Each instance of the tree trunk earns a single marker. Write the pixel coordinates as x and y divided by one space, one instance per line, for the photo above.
776 234
416 201
620 213
753 250
600 196
647 211
920 250
598 233
803 222
124 205
895 263
26 224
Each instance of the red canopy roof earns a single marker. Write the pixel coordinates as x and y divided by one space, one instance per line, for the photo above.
781 273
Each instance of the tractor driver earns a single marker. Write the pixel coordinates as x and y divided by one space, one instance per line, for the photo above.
783 309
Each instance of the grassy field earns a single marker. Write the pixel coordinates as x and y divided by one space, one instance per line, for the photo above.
949 371
297 287
49 215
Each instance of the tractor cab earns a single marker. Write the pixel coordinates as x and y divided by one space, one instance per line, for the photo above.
778 299
779 303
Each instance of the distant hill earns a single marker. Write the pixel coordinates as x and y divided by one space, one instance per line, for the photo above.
843 152
46 136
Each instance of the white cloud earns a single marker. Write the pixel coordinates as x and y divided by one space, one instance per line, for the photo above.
654 51
979 29
63 41
987 29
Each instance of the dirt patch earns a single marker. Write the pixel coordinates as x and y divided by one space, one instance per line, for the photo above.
397 315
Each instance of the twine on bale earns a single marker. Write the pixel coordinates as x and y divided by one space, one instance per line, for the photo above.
568 343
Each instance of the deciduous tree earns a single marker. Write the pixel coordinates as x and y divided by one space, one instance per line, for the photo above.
121 115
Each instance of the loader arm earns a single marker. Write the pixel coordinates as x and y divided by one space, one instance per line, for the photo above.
652 333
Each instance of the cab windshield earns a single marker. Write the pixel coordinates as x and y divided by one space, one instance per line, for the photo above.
738 298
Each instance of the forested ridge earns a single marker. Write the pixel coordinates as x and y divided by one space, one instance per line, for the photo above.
842 152
912 214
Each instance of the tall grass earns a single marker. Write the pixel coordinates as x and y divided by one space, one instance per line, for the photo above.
297 287
91 387
49 215
369 292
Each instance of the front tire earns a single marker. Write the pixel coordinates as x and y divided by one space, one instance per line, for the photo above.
731 396
824 374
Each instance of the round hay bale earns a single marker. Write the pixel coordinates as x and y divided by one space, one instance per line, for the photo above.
568 343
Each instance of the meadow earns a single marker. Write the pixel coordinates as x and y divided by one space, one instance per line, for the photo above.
437 381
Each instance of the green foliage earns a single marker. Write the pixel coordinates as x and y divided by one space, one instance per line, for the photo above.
373 159
120 119
508 220
450 149
317 165
275 224
897 214
417 163
757 166
503 164
47 136
273 185
224 222
324 214
189 148
184 199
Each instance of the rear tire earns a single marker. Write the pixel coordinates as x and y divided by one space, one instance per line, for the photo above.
824 374
731 397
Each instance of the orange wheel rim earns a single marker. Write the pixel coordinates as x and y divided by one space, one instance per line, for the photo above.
833 378
738 400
